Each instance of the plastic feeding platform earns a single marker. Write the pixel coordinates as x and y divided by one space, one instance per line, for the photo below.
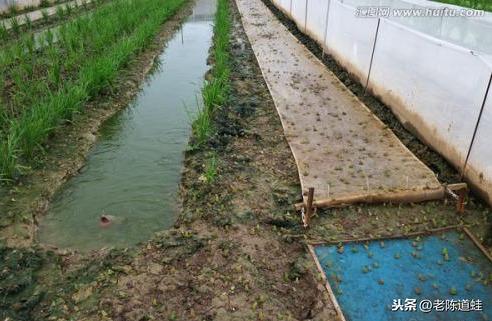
439 276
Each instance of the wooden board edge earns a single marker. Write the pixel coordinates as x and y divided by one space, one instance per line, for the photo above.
327 284
477 243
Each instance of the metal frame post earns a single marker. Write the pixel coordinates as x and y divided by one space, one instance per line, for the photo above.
326 29
372 56
484 102
306 16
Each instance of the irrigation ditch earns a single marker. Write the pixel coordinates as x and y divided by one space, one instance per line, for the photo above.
68 146
237 250
237 256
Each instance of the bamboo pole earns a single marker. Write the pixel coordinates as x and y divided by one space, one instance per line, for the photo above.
399 197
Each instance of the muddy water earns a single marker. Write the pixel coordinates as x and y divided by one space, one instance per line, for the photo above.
133 172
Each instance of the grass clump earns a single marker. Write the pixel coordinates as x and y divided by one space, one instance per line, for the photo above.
210 173
15 25
49 85
4 34
216 89
45 15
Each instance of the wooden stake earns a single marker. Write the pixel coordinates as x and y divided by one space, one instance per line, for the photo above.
460 205
309 206
458 192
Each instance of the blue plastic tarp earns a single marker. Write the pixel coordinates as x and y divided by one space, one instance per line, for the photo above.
437 277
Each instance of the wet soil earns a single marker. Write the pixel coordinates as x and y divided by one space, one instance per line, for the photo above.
237 251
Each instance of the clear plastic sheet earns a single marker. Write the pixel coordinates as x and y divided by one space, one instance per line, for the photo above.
479 168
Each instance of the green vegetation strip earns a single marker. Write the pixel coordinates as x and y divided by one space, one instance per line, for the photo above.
40 89
216 89
475 4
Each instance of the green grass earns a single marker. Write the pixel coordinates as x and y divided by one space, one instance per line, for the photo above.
48 86
215 91
210 173
14 25
475 4
45 15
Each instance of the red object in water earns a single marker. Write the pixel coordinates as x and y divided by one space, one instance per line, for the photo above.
104 221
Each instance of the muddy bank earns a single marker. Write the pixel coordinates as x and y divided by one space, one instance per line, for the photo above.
40 285
22 204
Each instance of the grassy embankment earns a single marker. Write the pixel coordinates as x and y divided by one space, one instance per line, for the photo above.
41 89
216 89
475 4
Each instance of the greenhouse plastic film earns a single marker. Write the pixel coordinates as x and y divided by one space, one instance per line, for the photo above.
299 13
479 168
469 32
434 88
316 19
350 39
285 6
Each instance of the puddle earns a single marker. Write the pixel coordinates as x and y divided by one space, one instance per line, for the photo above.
133 172
367 277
